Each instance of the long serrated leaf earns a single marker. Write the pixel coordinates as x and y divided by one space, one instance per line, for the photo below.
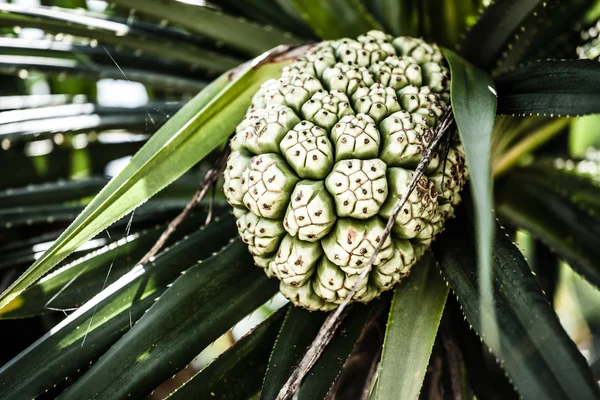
483 372
19 253
197 129
576 180
52 192
69 110
535 351
322 376
297 332
147 38
20 216
334 19
12 64
73 284
103 55
20 259
495 26
116 231
26 243
199 307
535 200
90 331
251 39
549 22
555 88
474 106
237 373
412 327
560 33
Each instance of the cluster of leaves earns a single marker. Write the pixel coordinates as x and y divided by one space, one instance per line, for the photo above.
135 325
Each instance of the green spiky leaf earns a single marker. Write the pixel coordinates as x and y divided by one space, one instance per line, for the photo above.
555 88
238 372
53 66
323 374
202 125
90 331
485 376
209 298
548 201
22 216
297 332
209 22
543 32
148 38
495 26
474 107
411 331
278 13
551 367
51 192
70 286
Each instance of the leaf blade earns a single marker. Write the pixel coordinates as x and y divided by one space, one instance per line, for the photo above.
52 192
162 341
297 332
411 331
214 24
104 319
544 201
538 355
159 41
198 128
474 107
237 373
72 285
560 88
323 374
495 26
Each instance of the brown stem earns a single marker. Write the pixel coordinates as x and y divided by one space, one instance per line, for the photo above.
322 339
211 205
207 182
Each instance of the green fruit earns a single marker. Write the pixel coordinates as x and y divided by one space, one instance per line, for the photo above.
322 157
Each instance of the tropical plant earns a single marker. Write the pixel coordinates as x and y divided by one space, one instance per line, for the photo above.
133 277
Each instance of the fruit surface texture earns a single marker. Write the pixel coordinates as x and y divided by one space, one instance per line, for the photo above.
326 151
